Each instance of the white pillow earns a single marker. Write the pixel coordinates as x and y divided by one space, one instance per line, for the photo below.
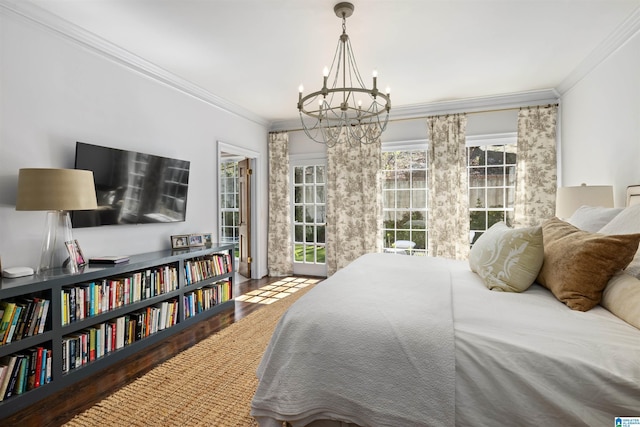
626 222
622 298
592 218
508 259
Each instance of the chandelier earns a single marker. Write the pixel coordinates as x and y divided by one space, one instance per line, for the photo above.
347 106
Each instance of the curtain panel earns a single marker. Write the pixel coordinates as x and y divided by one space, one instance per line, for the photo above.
354 202
536 168
448 234
279 245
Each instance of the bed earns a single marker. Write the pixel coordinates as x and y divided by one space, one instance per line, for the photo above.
421 341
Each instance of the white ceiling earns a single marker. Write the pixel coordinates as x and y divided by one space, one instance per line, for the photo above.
255 53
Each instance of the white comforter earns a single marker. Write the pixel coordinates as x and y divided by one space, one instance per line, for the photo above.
348 350
370 346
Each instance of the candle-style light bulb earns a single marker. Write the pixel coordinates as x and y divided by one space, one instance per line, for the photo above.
300 88
388 90
375 73
325 72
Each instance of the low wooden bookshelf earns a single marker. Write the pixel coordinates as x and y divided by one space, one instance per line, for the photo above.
103 314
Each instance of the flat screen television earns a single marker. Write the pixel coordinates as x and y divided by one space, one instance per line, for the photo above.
132 187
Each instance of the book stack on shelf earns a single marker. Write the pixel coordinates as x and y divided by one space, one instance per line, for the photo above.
22 318
93 298
24 371
93 343
202 268
206 297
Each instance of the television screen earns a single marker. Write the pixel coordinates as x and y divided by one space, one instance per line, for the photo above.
131 187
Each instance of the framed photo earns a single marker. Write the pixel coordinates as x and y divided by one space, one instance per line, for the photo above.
76 253
180 241
196 240
208 239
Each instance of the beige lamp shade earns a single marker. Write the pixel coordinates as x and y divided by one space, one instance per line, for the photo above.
55 190
569 199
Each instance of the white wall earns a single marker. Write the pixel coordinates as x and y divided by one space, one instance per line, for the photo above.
600 124
55 92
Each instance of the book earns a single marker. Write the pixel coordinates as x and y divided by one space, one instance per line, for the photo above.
5 322
9 362
109 259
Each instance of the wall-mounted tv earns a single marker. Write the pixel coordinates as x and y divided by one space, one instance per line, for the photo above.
132 187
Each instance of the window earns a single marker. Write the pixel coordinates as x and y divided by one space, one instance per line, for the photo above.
404 191
492 181
309 220
229 202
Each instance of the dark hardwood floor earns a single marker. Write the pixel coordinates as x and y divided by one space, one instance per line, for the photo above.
60 408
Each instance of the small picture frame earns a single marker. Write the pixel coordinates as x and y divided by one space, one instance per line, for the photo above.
76 253
196 240
180 241
208 239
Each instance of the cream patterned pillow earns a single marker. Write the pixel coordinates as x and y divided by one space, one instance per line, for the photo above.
508 259
627 222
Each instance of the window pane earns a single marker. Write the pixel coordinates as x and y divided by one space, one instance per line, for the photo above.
419 179
389 179
477 177
419 198
297 175
403 199
299 252
320 214
476 156
320 172
495 177
320 194
299 214
478 220
388 160
495 197
419 159
308 194
309 175
297 194
299 233
320 231
476 198
310 214
309 232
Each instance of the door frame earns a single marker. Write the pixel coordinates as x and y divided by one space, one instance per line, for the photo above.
254 158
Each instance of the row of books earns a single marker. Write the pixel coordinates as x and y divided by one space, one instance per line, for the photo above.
24 371
90 299
95 342
22 318
206 267
206 297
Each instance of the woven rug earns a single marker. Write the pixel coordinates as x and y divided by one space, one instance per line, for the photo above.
209 384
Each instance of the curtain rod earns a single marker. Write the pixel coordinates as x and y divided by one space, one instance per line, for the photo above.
495 110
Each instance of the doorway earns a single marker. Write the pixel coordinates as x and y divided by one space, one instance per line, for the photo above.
236 204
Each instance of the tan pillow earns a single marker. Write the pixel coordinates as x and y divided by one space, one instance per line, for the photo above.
621 296
578 264
507 259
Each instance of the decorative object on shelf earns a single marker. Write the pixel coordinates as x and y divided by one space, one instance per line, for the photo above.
57 191
13 272
180 241
569 199
347 106
208 238
109 259
196 240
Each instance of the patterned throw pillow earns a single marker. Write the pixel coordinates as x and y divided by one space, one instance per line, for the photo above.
508 259
622 298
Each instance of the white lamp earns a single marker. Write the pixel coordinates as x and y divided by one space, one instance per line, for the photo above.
569 199
57 191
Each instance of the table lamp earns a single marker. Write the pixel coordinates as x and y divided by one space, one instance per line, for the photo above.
569 199
57 191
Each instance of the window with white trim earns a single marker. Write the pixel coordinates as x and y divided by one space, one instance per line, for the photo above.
229 202
492 182
309 218
404 190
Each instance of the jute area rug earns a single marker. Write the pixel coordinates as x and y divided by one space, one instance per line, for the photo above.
209 384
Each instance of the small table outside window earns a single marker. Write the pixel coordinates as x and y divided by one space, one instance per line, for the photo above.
401 247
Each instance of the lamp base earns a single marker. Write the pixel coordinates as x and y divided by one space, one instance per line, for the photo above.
59 251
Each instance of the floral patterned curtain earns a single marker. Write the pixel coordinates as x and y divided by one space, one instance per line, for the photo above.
536 169
448 233
354 202
280 252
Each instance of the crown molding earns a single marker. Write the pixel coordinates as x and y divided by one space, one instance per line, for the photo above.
613 42
468 105
54 24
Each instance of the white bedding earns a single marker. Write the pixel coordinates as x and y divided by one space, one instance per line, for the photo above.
523 359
